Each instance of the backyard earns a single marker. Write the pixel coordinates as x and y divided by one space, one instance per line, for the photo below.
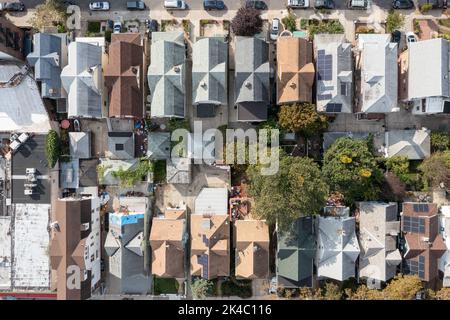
165 286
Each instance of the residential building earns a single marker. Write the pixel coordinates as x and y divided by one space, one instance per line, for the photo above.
82 79
378 64
210 234
125 247
109 166
124 76
423 245
178 170
69 174
12 41
75 247
251 249
444 230
158 147
413 144
166 75
337 244
428 76
252 79
334 76
80 145
209 76
168 239
120 145
379 228
48 58
295 74
296 249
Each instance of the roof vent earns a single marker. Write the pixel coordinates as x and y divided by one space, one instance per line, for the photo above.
248 84
134 70
292 85
176 69
203 84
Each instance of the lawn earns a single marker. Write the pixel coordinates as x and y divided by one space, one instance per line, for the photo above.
165 286
93 26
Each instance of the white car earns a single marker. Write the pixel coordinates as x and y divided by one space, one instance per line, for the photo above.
117 27
99 6
410 37
275 29
298 4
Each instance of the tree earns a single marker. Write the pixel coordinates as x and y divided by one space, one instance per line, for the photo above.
351 169
364 293
392 188
440 141
52 148
296 190
49 14
399 166
302 118
247 22
289 22
394 21
332 292
436 169
403 287
201 288
443 294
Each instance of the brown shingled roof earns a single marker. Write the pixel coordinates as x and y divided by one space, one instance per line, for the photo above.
210 238
429 244
68 244
295 76
166 240
252 249
124 75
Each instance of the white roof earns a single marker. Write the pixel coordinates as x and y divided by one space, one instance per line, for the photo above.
21 107
378 74
5 253
444 261
31 266
212 201
428 70
414 144
337 247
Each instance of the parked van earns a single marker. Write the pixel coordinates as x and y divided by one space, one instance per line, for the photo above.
135 5
175 4
358 4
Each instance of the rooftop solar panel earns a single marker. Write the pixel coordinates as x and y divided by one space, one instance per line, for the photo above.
413 225
324 66
334 107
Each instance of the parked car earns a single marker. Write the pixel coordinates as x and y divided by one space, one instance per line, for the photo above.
358 4
213 5
175 5
135 5
99 6
396 36
260 5
410 38
324 4
117 27
402 4
275 29
298 4
12 6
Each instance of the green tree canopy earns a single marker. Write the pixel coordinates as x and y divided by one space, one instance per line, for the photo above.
403 287
351 169
296 190
394 21
201 288
302 118
440 141
399 166
52 148
436 169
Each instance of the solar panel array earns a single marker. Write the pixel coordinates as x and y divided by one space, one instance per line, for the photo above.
324 97
415 267
413 224
203 261
334 107
420 207
324 66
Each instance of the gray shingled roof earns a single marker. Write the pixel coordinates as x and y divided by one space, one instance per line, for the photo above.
158 145
378 74
46 59
120 145
252 75
80 145
69 174
295 255
413 144
166 75
339 89
209 71
178 170
81 79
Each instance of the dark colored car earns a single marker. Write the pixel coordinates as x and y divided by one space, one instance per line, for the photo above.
396 36
12 6
152 25
324 4
213 5
402 4
260 5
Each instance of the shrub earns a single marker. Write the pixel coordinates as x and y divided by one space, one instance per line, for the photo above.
394 21
289 22
52 148
130 177
324 26
93 26
440 141
201 288
398 166
247 22
364 29
424 8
